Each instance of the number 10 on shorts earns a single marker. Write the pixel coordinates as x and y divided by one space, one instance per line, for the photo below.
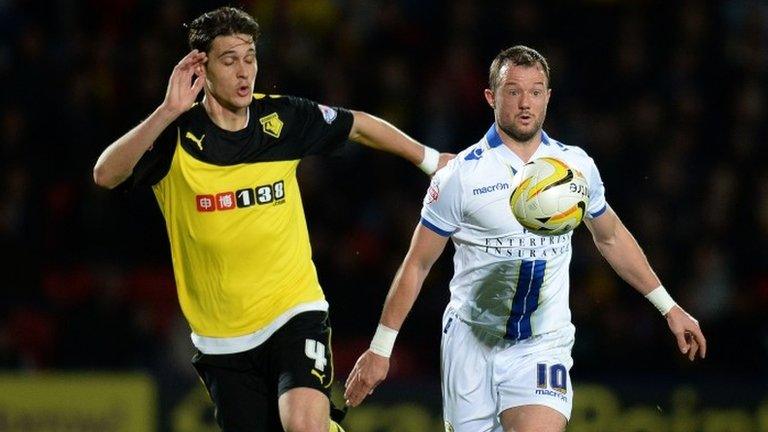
558 377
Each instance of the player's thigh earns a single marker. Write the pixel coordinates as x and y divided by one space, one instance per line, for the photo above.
304 409
469 404
532 418
245 399
304 360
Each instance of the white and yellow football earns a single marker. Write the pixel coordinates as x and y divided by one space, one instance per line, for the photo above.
549 197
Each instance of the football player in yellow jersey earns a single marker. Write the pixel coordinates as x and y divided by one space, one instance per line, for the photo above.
224 174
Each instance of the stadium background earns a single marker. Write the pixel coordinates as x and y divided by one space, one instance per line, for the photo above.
668 97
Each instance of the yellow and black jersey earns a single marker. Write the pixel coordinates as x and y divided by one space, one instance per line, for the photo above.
231 203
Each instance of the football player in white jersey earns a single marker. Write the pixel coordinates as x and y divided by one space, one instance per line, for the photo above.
507 332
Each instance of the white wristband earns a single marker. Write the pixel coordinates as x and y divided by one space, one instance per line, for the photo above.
661 299
430 161
383 341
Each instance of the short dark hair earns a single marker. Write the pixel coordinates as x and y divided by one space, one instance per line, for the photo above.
223 21
519 55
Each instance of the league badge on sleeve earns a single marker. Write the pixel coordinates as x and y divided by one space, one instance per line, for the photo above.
433 193
329 114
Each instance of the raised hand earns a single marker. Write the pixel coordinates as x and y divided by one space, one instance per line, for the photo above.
182 91
690 339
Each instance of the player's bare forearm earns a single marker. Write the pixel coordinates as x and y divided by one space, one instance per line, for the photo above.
379 134
622 252
371 368
117 161
426 247
402 294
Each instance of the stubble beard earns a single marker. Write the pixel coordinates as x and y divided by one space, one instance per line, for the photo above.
521 135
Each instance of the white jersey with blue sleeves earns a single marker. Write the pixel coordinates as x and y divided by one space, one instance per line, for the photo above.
506 280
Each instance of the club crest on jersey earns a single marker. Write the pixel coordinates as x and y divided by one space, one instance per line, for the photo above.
271 124
329 114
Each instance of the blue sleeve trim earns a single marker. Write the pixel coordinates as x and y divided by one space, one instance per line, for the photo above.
437 230
599 212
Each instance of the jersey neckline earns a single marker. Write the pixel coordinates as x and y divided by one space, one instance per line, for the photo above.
241 133
495 142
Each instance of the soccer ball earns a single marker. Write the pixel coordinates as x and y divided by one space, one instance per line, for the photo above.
549 197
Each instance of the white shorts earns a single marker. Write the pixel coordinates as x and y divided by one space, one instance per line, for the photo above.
483 375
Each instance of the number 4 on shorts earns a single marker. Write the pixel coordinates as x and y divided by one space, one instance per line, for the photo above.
558 377
316 351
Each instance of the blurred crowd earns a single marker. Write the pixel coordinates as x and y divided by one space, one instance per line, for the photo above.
668 97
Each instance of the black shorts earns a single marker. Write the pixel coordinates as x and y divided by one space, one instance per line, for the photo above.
245 386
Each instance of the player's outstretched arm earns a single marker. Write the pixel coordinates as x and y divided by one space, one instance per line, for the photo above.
117 161
622 252
379 134
372 366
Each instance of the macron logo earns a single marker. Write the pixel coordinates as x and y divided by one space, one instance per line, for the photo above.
492 188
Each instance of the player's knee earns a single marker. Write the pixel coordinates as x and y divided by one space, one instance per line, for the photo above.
533 419
299 423
537 428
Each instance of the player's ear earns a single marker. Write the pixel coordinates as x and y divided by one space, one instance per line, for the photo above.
490 98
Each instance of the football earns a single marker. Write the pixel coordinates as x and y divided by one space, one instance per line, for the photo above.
549 197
